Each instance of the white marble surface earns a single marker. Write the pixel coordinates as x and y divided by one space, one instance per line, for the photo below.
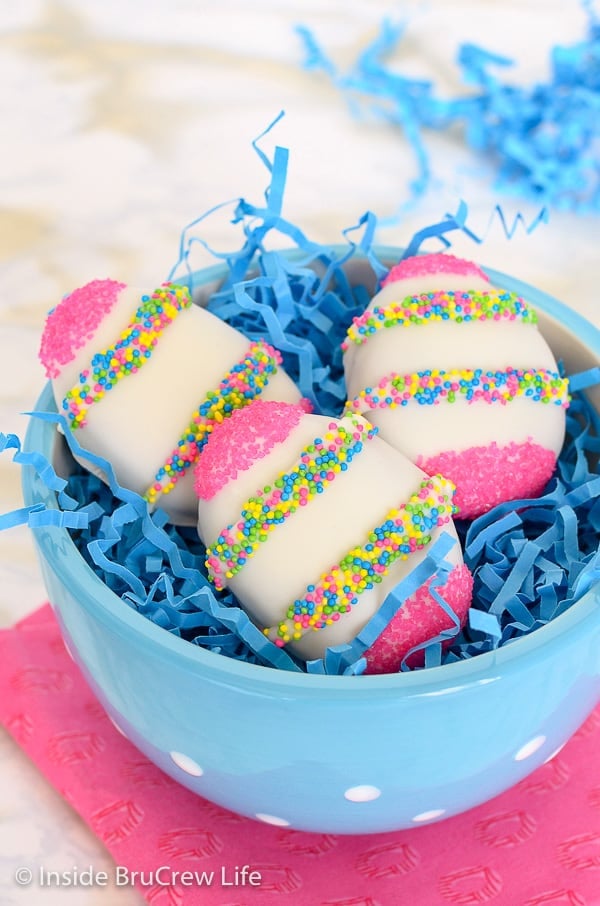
122 121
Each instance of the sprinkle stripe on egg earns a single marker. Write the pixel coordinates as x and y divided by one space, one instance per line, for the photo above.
319 464
242 384
406 529
434 386
130 353
427 308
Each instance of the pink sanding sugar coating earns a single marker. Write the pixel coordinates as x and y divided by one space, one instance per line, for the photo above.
247 435
488 475
422 265
419 619
73 322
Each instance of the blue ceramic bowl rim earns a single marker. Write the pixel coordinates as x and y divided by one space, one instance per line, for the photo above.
75 573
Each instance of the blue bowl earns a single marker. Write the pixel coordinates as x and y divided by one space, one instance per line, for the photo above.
319 753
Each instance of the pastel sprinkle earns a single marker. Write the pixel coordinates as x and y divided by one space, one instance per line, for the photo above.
243 383
431 387
130 352
318 465
420 619
247 435
429 308
406 529
435 263
74 321
489 474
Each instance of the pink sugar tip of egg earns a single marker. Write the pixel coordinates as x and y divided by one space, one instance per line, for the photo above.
74 320
486 476
439 263
247 435
419 620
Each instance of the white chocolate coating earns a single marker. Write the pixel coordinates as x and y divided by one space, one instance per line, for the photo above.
138 423
423 431
360 373
318 535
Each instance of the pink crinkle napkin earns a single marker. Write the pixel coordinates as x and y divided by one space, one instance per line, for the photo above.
536 845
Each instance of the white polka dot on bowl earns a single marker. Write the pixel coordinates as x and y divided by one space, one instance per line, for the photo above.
187 764
530 748
555 753
116 726
272 819
362 793
429 815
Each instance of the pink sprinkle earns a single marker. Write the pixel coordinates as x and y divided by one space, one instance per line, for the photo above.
421 265
74 321
420 618
247 435
488 475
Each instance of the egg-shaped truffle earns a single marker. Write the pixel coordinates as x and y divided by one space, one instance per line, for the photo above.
312 521
456 375
143 377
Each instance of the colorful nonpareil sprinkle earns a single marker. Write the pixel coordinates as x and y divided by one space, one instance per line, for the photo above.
318 465
428 388
246 380
447 305
406 529
131 351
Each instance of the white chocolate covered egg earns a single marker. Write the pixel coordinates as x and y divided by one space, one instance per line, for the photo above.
143 377
456 375
312 521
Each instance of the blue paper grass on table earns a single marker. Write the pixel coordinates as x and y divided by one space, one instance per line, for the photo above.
542 139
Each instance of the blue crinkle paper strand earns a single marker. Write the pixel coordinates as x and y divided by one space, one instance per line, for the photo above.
68 516
531 559
543 139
